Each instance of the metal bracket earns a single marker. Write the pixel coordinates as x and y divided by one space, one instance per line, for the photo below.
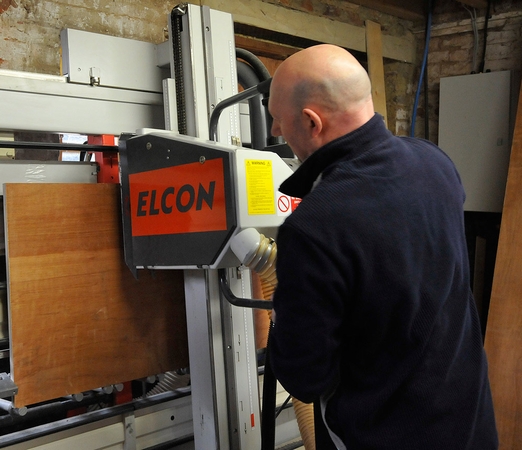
130 432
95 76
9 389
7 386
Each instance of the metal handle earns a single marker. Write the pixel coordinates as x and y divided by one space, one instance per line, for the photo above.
238 301
261 88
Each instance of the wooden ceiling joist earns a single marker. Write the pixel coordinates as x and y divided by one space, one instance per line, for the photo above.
255 13
409 9
405 9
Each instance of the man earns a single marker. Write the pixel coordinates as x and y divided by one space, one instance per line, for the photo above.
374 318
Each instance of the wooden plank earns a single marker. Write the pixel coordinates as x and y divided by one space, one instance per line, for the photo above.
319 29
479 4
376 67
265 49
78 318
504 328
408 9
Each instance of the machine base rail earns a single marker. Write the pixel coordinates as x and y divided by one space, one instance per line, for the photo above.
87 418
58 146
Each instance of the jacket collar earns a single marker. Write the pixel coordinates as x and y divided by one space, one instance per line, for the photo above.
348 146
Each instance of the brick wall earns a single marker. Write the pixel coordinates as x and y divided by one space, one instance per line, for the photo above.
30 29
400 77
451 51
452 48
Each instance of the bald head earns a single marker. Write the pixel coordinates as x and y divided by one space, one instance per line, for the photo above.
325 75
325 90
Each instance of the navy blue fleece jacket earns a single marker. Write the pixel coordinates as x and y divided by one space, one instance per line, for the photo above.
374 297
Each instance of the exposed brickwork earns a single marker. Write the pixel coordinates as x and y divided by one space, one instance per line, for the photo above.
399 95
346 12
452 48
30 30
398 76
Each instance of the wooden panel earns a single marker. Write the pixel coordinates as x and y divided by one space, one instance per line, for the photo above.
376 67
504 328
79 320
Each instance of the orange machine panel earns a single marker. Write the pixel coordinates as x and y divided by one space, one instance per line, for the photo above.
79 320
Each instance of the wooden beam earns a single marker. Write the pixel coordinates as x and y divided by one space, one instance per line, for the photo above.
504 327
409 9
320 29
376 67
270 54
404 9
479 4
265 48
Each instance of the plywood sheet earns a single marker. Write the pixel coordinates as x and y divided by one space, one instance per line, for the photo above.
504 328
78 318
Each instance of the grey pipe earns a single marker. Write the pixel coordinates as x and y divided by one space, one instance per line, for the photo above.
258 132
259 68
263 74
261 88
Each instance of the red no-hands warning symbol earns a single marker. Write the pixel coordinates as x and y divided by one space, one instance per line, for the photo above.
283 203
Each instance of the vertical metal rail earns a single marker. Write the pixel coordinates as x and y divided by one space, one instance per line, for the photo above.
209 413
223 363
177 69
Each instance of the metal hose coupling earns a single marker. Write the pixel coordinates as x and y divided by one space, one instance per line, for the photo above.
256 252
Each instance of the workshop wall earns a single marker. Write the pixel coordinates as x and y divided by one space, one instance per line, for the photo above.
30 29
400 78
454 49
29 40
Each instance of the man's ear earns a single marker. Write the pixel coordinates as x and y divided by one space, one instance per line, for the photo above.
314 121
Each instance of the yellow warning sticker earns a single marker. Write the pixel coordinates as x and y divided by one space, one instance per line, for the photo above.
260 186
